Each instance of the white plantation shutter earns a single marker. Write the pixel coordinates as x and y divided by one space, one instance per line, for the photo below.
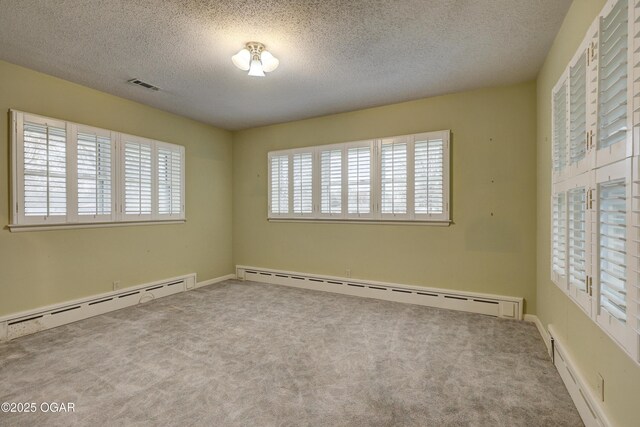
303 183
559 229
560 128
95 170
429 196
578 110
331 181
137 177
71 174
170 161
279 184
402 178
612 76
577 205
359 180
613 248
44 170
393 177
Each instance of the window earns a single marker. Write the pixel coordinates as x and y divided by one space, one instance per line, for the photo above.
43 162
577 237
578 110
302 183
170 178
612 75
331 181
137 177
612 247
404 178
559 234
71 174
393 177
560 128
594 110
95 161
279 184
359 180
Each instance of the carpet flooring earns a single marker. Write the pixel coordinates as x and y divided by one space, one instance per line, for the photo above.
249 354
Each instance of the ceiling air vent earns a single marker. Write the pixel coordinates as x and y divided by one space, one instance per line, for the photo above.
143 84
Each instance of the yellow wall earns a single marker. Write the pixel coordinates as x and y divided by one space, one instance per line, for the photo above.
592 350
46 267
490 248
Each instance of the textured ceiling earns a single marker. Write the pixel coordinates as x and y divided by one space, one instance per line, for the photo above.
335 55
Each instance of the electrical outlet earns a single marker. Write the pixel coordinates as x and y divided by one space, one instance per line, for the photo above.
116 285
348 272
600 387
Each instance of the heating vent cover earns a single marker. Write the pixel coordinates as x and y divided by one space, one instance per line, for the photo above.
143 84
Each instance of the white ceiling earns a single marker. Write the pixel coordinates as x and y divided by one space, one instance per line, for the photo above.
335 55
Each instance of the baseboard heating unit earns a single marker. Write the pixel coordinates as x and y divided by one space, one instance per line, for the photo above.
493 305
589 406
32 321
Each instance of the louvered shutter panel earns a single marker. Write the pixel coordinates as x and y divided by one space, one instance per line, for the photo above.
634 249
279 184
44 171
560 129
331 181
559 229
170 161
612 248
612 75
393 177
359 180
137 178
303 183
429 177
95 151
576 201
577 110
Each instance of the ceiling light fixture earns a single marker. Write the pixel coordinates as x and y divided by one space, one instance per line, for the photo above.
255 59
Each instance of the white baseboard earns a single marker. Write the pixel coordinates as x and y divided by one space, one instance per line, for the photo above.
589 406
31 321
541 329
215 280
493 305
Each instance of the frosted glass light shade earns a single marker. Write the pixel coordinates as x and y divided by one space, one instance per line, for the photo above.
256 68
242 59
269 62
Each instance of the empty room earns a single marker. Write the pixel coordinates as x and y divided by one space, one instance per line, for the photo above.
320 213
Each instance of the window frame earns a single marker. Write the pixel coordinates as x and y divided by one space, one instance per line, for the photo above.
18 221
603 164
374 215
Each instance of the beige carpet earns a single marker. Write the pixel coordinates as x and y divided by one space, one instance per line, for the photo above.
249 354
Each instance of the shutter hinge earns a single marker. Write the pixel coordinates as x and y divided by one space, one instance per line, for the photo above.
590 285
588 55
589 138
590 199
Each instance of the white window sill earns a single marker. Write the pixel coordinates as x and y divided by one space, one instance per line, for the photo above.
436 223
16 228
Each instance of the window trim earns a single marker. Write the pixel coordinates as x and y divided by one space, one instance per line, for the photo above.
20 222
374 216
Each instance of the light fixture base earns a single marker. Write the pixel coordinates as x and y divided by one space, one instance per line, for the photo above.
255 48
